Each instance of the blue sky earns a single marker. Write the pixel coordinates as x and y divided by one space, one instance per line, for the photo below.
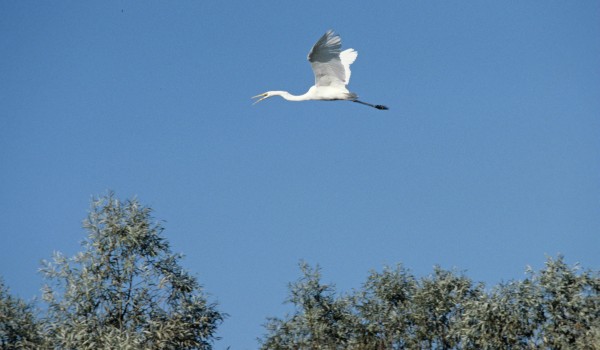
488 160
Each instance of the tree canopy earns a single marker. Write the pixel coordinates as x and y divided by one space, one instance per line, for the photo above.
126 289
555 308
19 328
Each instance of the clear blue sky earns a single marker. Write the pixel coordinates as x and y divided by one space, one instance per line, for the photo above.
488 160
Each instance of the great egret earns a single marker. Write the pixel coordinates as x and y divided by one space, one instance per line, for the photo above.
331 67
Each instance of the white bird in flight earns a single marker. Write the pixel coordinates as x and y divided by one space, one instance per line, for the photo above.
331 67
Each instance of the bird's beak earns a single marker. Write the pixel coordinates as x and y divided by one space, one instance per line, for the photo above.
262 97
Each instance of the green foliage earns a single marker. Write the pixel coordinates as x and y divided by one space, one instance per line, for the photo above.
502 319
321 321
439 305
19 329
386 309
556 308
570 305
126 289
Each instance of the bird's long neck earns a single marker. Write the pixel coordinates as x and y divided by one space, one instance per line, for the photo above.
288 96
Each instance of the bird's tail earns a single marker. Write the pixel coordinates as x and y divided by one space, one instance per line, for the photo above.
352 96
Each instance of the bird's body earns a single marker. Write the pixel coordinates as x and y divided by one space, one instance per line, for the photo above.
331 67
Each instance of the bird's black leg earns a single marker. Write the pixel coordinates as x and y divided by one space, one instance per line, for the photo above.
380 107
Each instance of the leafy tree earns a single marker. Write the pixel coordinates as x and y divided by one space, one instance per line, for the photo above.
571 306
555 308
386 309
126 289
321 321
19 328
439 304
505 318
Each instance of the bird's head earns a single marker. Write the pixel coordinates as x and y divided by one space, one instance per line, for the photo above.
263 96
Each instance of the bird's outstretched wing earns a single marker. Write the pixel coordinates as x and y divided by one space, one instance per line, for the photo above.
331 65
